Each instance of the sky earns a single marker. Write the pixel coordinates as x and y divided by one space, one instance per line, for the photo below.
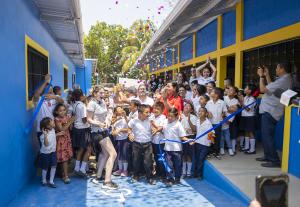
124 12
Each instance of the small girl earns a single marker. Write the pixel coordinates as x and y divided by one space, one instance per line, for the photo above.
216 108
64 144
229 129
174 130
47 157
120 132
158 121
198 90
188 121
81 139
202 144
203 101
248 119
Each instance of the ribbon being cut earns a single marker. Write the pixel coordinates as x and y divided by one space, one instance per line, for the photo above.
162 155
39 105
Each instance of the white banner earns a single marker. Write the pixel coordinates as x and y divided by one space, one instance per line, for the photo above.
128 82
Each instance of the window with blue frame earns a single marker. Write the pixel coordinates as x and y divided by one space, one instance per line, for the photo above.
207 39
186 49
229 28
162 60
265 16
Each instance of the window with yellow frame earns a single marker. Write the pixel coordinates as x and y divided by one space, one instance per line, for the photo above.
66 80
36 66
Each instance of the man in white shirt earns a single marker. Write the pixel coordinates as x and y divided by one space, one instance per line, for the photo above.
141 136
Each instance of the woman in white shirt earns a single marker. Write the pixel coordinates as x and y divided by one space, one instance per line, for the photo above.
206 75
96 116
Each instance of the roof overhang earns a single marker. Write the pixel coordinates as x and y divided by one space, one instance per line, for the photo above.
187 17
64 21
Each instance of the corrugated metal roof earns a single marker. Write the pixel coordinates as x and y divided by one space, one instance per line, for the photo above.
64 21
187 17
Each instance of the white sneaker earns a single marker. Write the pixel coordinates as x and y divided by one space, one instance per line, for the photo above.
230 151
222 151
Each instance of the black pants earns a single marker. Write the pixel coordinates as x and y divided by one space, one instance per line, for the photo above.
142 154
160 169
201 152
216 145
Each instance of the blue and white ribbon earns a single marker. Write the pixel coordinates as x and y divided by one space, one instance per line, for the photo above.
162 155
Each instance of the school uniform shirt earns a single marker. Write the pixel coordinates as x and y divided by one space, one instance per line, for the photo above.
121 124
188 95
51 140
186 125
148 101
217 109
204 81
173 131
46 111
98 108
196 103
249 100
141 130
80 113
229 102
159 121
133 115
202 128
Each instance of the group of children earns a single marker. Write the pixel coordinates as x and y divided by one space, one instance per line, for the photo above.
143 133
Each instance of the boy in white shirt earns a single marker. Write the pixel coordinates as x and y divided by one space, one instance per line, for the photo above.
141 136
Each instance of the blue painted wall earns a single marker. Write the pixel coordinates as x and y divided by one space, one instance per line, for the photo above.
84 76
186 49
229 28
294 154
268 15
207 39
17 150
169 57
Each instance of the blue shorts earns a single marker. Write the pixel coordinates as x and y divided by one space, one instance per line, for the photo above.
47 160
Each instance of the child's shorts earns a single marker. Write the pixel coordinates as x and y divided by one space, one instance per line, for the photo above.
188 150
47 160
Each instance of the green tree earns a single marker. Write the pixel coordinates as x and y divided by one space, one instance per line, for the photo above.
105 43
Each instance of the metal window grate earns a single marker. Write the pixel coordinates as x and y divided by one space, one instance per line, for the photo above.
269 56
37 69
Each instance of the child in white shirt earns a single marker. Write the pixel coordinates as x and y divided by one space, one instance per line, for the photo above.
120 132
217 109
47 157
158 120
173 130
188 121
203 143
141 136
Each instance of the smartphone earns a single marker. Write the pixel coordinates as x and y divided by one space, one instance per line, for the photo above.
272 191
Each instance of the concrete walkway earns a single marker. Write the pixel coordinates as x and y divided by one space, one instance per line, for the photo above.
242 169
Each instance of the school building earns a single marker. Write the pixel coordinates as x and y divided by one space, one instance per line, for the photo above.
239 36
37 37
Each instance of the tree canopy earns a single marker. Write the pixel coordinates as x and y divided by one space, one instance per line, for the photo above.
117 48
